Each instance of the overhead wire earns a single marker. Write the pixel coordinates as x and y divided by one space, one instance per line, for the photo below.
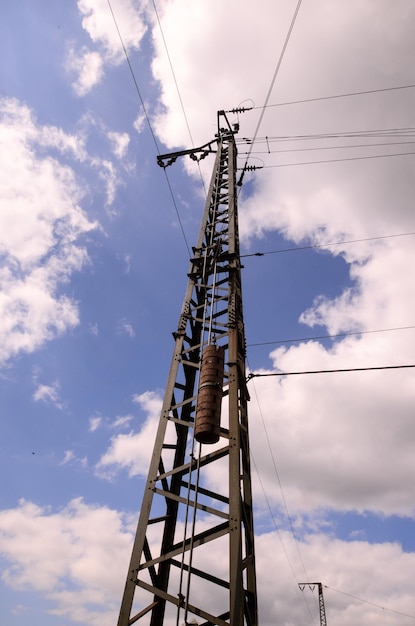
173 72
263 108
177 89
148 123
404 131
341 95
332 371
344 147
379 606
357 158
326 245
285 506
277 68
346 334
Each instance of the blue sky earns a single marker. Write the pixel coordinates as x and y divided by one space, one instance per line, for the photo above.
93 272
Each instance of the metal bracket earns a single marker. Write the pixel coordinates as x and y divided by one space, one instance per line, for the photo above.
164 160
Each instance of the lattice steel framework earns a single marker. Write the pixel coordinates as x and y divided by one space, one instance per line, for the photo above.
321 605
193 558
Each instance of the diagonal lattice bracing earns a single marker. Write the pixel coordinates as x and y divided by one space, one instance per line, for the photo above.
193 555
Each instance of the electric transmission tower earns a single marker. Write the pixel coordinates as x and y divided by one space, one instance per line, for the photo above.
322 608
193 558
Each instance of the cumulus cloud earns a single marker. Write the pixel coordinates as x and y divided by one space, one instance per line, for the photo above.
98 22
357 591
340 442
88 65
78 570
331 434
81 572
41 226
132 451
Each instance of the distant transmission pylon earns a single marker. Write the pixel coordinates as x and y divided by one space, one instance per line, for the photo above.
322 608
193 558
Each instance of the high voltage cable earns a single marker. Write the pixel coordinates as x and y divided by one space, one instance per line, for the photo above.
361 158
342 95
148 122
344 147
325 245
178 90
283 499
404 131
379 606
287 38
173 73
358 332
334 371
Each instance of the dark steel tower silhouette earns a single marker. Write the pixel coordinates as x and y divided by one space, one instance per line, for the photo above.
321 605
193 558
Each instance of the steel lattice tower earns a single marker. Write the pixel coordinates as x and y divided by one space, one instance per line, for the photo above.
198 496
321 605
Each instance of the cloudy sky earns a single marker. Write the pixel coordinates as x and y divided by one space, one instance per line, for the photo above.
94 245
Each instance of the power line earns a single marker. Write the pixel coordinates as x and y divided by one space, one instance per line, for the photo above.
178 90
384 608
358 332
362 158
344 147
133 77
403 131
351 369
342 95
173 73
325 245
287 38
148 122
283 499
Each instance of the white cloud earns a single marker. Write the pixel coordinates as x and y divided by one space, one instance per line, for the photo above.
107 172
41 224
133 451
341 439
377 574
125 327
140 121
71 458
68 457
121 421
81 572
89 67
49 394
94 423
344 47
119 142
99 23
78 570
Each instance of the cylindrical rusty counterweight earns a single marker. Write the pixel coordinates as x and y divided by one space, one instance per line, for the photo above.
209 402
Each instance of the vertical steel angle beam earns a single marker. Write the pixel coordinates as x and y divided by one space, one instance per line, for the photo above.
211 313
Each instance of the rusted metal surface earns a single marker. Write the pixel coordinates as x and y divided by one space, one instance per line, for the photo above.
209 403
